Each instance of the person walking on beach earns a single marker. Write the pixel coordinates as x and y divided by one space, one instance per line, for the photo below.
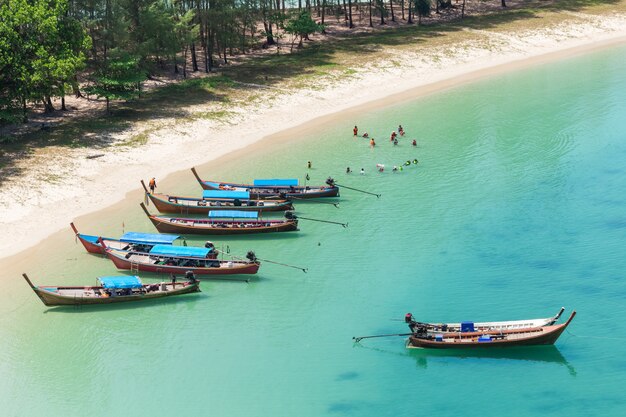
152 185
355 131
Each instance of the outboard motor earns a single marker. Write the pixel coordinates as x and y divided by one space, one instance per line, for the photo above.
290 215
190 276
237 202
209 245
330 181
408 318
251 256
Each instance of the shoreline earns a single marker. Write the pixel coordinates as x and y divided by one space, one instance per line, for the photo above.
92 187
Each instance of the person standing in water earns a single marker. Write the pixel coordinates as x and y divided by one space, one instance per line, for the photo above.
372 143
152 185
362 171
348 170
308 164
414 142
355 131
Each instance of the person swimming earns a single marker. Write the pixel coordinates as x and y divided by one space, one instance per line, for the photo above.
366 135
414 143
348 170
362 171
395 141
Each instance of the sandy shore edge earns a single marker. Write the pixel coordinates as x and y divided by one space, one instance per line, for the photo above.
33 208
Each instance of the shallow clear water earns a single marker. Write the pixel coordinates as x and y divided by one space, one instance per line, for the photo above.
516 208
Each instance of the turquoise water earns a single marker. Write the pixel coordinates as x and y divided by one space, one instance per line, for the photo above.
516 208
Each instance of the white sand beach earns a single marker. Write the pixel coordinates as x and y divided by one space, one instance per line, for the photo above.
57 186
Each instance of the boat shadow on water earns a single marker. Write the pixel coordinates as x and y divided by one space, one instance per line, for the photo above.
545 354
97 308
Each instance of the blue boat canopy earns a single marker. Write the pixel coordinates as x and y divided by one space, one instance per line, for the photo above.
120 282
90 238
234 214
186 251
148 238
276 182
242 195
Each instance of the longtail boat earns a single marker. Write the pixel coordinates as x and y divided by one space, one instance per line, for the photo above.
179 259
221 223
272 188
472 335
132 241
115 289
213 200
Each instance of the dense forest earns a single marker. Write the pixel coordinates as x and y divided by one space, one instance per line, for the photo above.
107 48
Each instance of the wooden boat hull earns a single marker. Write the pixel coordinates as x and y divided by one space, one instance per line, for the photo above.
163 205
546 335
210 227
300 191
90 246
236 269
86 295
164 226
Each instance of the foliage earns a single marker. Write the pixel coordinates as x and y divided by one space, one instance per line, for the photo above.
41 48
120 78
301 25
422 8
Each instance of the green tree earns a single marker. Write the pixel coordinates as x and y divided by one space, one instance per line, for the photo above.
301 26
422 7
119 79
42 47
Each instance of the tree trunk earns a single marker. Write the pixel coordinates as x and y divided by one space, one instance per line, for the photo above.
76 87
350 13
108 112
393 17
463 10
402 6
185 62
48 107
24 111
371 22
194 59
323 10
503 3
410 13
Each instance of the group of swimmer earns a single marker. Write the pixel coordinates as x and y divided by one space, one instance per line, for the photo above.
392 138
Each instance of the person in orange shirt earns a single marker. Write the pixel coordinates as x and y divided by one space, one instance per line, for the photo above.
152 185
